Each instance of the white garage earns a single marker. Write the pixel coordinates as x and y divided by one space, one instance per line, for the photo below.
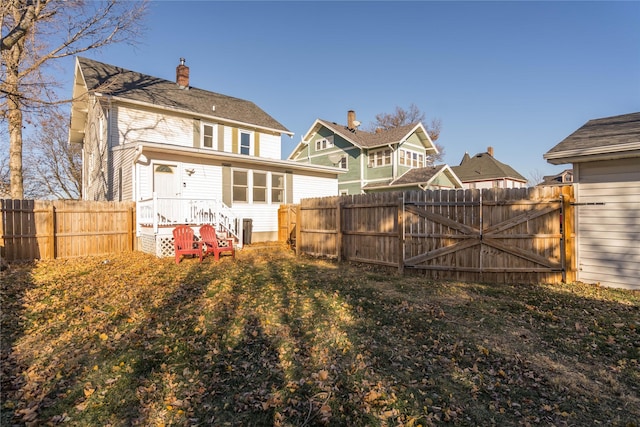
605 154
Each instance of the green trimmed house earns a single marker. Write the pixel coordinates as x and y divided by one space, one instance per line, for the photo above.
384 160
484 171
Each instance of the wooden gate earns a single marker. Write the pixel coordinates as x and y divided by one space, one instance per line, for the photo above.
496 235
287 215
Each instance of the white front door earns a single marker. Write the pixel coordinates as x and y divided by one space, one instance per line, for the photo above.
166 182
166 185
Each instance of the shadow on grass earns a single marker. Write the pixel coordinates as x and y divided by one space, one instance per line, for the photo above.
274 340
14 283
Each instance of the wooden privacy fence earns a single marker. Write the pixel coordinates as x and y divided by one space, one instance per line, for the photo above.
43 229
492 235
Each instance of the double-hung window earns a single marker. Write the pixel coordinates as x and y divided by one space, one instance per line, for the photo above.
259 187
245 142
256 187
240 186
380 158
209 136
342 164
277 188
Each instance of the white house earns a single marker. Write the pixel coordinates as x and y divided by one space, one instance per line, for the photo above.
605 154
184 154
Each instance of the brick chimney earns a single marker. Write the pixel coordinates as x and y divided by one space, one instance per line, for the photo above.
351 117
182 74
490 151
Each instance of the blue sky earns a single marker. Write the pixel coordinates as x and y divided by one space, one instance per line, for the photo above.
518 76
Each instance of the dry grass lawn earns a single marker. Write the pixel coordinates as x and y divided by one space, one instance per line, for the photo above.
270 339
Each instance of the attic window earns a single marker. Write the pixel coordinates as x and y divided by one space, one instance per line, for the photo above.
324 143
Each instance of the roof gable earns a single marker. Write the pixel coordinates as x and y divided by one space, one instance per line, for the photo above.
483 166
363 139
130 85
419 177
599 138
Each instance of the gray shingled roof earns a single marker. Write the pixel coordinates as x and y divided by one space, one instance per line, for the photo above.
126 84
484 166
370 139
611 132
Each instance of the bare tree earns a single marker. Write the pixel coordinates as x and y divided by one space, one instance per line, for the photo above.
4 176
52 162
35 33
403 117
536 176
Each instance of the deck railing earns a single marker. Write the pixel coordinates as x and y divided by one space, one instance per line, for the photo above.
169 211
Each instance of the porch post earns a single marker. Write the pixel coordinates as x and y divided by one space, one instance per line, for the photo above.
155 213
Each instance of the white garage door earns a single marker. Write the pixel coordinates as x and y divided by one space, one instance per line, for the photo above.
608 222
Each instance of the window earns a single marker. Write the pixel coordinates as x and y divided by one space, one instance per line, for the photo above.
411 159
209 136
324 143
255 187
342 164
164 169
240 186
380 158
245 143
277 188
259 187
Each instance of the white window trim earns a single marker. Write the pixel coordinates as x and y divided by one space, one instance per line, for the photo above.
267 176
408 158
324 143
214 135
250 187
271 187
251 141
344 159
374 155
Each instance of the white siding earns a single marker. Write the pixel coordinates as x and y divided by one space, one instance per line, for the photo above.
204 183
270 146
305 186
143 125
264 216
228 135
608 234
144 176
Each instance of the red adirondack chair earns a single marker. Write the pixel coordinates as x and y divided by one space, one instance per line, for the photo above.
216 244
184 243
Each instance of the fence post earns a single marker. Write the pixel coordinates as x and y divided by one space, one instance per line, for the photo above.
298 228
568 233
131 223
401 234
339 230
52 232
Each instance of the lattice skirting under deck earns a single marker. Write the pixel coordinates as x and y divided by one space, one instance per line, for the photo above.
160 246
